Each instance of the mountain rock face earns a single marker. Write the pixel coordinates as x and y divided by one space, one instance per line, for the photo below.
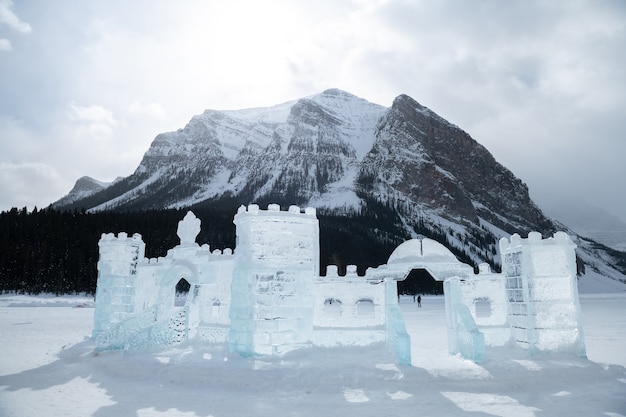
439 166
404 168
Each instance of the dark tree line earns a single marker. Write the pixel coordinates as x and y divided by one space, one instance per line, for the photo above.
56 251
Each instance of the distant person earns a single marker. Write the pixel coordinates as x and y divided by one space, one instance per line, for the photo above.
419 301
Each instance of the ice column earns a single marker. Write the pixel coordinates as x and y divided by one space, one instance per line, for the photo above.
272 297
542 293
397 336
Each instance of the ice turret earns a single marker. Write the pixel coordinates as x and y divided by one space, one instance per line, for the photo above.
542 292
276 263
117 273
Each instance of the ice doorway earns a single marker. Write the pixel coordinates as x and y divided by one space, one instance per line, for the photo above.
420 281
426 325
181 291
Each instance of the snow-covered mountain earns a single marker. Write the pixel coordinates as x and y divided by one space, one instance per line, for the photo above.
342 155
84 187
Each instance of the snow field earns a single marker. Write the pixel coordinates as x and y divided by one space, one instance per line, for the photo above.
47 367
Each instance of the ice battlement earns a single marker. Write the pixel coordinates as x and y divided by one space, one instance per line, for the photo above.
122 237
203 252
535 238
333 271
371 276
225 252
484 269
274 209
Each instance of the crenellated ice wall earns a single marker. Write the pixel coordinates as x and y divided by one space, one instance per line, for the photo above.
485 297
349 310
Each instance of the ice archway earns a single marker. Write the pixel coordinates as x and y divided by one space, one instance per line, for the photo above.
430 255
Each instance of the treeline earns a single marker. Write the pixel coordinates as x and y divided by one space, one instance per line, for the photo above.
54 251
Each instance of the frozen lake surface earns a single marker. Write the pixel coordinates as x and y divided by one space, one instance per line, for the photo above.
48 367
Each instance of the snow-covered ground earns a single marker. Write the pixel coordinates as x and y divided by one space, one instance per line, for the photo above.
48 368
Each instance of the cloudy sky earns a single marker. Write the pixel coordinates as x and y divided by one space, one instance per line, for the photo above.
86 85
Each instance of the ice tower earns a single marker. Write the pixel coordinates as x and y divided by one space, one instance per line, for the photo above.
276 263
542 292
117 274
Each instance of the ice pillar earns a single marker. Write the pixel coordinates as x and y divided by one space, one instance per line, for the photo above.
463 334
397 336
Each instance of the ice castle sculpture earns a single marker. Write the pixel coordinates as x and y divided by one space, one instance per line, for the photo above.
268 298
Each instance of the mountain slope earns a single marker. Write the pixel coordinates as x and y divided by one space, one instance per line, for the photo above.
401 171
437 165
84 188
592 222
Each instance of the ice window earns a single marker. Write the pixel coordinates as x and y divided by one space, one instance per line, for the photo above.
332 307
365 308
483 307
215 308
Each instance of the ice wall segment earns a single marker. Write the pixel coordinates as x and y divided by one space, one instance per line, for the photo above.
268 297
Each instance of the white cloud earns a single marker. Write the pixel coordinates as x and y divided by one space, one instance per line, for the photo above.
18 141
97 120
29 185
5 45
147 109
10 19
96 114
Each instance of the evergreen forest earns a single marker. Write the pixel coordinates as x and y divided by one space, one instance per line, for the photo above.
55 251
